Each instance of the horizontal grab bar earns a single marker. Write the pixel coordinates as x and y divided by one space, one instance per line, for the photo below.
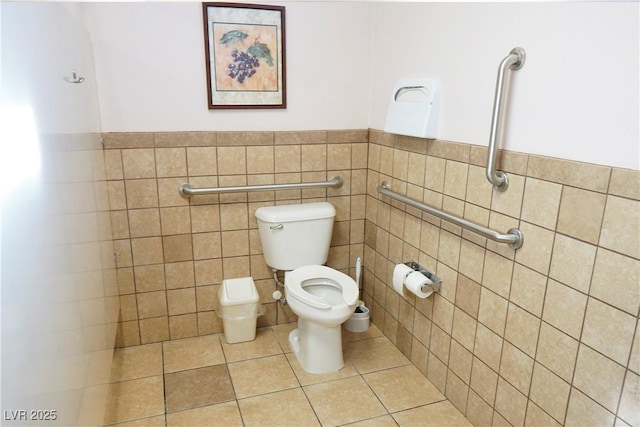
514 237
186 190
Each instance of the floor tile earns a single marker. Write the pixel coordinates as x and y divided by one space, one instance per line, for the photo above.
372 332
383 421
373 355
263 375
157 421
265 344
190 353
130 400
306 378
223 414
402 388
283 408
208 382
441 414
136 362
197 387
281 332
343 401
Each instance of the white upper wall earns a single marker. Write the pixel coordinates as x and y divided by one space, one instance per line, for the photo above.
575 98
151 68
34 63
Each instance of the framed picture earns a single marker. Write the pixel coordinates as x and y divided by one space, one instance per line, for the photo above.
245 55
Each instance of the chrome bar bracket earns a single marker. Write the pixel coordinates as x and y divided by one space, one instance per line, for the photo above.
519 240
521 57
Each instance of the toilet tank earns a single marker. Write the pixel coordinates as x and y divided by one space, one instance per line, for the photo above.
295 235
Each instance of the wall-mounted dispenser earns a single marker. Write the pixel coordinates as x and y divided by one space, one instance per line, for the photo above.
414 108
416 279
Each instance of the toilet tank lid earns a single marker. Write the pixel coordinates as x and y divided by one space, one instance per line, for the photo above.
300 212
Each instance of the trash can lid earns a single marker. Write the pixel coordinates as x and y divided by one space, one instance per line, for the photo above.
238 291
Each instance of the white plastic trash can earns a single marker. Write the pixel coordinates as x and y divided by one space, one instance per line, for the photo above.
239 309
359 320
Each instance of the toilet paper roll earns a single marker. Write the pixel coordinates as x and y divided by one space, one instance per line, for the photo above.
400 273
414 283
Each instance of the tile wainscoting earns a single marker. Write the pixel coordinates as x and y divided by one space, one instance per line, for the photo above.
543 336
173 252
546 335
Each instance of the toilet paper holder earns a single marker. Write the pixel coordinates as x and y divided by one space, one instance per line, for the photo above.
437 282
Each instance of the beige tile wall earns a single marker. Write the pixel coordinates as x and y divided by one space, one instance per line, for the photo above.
546 335
173 252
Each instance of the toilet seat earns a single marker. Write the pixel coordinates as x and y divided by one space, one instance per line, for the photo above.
310 275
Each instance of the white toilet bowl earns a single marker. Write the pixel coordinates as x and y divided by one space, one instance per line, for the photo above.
323 299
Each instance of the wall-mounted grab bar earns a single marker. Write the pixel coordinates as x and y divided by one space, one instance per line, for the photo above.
513 61
513 237
186 190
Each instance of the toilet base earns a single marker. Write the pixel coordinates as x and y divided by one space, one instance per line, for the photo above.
317 348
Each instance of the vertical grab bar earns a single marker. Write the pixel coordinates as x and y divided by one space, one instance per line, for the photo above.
513 61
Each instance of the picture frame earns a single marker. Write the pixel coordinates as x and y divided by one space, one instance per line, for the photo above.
245 55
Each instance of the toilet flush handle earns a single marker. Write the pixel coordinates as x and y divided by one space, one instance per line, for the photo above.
276 227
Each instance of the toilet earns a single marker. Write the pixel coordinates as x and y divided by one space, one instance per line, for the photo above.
296 239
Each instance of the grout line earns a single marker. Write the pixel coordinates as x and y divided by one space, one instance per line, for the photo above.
299 385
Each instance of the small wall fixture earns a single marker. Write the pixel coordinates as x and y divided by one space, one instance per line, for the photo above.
74 78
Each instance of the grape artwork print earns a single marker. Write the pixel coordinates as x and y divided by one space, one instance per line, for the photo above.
245 55
244 58
243 65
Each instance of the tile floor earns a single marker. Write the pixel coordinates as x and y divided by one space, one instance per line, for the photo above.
204 381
